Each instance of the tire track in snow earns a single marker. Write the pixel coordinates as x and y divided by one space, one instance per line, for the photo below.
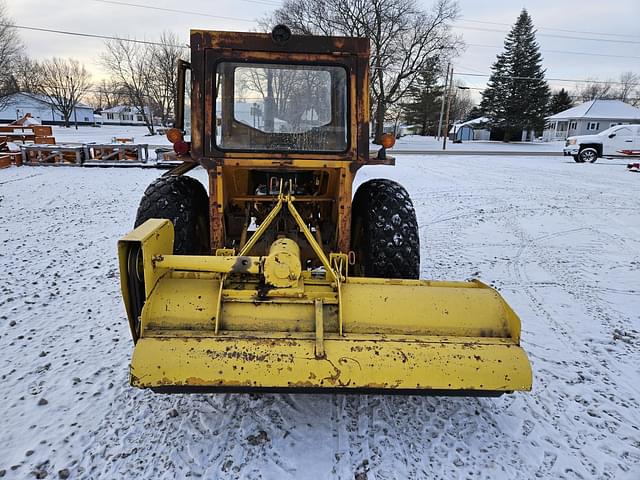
568 427
583 293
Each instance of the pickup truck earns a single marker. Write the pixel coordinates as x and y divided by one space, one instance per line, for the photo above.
608 144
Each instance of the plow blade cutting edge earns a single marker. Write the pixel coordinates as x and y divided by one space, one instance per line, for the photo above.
212 323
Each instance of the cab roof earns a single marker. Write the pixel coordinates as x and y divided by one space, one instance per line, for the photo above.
250 41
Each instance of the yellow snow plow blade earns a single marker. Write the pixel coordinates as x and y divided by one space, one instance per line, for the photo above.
241 323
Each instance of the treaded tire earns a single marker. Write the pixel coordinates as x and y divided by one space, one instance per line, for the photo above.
185 202
384 231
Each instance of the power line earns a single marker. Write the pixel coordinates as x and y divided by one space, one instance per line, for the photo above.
607 82
117 2
263 2
564 52
90 35
268 3
148 42
173 10
464 67
549 35
467 74
552 29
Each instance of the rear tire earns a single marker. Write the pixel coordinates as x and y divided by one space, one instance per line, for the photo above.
588 154
384 231
185 202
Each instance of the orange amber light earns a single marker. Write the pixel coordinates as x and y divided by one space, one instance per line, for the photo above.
174 135
388 140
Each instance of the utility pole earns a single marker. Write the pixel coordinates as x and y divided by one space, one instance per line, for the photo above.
446 85
446 123
269 104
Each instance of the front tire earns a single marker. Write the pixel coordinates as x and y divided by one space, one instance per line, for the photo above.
384 231
588 154
185 202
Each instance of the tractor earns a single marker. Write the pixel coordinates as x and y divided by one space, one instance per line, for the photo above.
279 278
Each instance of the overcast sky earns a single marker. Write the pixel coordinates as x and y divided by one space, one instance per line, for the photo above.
609 29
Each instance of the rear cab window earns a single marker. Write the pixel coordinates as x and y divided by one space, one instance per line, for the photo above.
281 107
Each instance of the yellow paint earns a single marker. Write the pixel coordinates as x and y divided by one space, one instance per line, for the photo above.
213 263
282 268
348 364
205 324
418 309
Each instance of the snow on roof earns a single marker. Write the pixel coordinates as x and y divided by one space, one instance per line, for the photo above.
39 98
474 121
117 109
469 123
605 109
124 109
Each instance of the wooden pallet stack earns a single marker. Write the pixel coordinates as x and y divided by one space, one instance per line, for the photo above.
56 155
10 158
38 147
41 134
121 151
7 157
21 134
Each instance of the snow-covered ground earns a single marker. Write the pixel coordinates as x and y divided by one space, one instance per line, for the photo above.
106 133
419 143
560 240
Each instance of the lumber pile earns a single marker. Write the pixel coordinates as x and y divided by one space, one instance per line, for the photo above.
56 155
41 134
23 132
8 157
117 153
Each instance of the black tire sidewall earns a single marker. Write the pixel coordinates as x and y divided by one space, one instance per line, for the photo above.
384 232
583 160
184 201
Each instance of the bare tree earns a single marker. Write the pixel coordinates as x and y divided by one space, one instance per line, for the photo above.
63 83
594 89
106 94
461 102
131 67
10 49
163 84
404 38
628 89
287 93
27 74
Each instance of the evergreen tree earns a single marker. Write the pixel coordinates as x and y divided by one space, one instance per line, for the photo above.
517 95
560 101
474 113
424 100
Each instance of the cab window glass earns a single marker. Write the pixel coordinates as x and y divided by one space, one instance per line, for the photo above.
281 107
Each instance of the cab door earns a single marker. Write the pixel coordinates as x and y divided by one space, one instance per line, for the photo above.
620 139
636 139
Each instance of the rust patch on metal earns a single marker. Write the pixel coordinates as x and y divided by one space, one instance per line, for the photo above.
242 265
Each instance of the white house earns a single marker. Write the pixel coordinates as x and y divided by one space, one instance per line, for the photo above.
589 118
123 115
22 103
